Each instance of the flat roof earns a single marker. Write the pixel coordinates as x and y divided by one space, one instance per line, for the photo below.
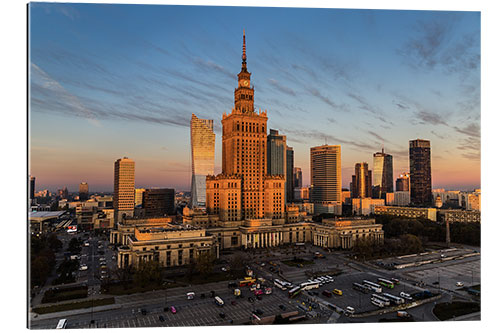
46 215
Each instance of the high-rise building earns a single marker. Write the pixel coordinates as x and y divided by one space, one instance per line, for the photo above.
32 187
202 157
383 181
297 177
139 194
326 177
362 181
276 153
244 190
158 202
124 194
420 172
289 174
403 182
83 191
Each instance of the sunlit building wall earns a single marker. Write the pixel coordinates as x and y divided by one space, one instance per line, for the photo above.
124 188
362 181
383 181
326 177
403 182
83 191
202 157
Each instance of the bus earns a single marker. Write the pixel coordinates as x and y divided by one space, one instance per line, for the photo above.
385 301
386 283
309 285
394 299
373 286
61 324
377 302
280 284
395 281
294 292
247 282
360 287
218 301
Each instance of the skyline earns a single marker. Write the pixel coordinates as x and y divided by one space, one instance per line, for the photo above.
294 78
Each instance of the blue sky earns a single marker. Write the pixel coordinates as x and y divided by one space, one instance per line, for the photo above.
109 81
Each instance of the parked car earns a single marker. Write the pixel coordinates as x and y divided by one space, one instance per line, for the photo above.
282 307
222 315
459 284
144 312
162 319
403 314
173 310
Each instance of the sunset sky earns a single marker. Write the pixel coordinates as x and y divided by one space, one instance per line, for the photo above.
108 81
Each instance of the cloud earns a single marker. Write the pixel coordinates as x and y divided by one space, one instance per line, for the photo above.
472 130
437 135
378 137
326 100
282 88
299 135
430 118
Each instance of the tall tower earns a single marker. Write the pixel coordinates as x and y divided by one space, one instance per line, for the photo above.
289 174
83 191
297 177
202 157
276 153
420 172
383 181
361 181
326 178
124 194
244 190
32 187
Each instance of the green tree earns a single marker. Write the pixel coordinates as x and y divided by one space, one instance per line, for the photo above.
148 272
205 262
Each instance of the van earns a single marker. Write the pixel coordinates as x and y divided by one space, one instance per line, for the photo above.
403 314
337 292
349 310
190 295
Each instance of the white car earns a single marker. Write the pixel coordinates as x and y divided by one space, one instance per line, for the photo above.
84 267
460 284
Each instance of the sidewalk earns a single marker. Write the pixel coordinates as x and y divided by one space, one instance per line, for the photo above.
63 314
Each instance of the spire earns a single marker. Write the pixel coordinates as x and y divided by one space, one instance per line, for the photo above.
244 55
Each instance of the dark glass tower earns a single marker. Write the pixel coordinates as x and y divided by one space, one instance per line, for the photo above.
289 174
420 172
383 181
362 181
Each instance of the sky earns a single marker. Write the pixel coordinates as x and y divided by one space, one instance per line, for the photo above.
108 81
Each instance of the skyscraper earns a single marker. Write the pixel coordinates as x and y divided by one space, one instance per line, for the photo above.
289 174
362 181
326 177
276 153
297 177
403 182
32 187
124 194
382 175
202 157
244 190
83 191
420 172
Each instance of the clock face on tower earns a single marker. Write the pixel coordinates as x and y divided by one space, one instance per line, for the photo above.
245 83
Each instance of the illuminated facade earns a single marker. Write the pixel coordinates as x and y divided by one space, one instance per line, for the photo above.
244 189
124 193
83 191
362 181
403 182
383 181
326 178
420 172
202 157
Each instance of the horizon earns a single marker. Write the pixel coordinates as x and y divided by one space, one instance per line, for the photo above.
394 77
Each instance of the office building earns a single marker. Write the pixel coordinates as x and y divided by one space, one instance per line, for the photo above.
32 188
83 191
459 216
383 181
420 172
139 193
326 177
276 153
362 181
398 198
365 206
158 202
403 182
202 157
411 212
301 193
297 177
124 188
289 174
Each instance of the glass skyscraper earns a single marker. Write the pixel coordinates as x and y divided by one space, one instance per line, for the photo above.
382 175
202 158
420 172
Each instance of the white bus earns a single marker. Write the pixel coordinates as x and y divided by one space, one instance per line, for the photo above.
394 299
373 286
219 301
377 302
384 300
309 285
280 284
61 324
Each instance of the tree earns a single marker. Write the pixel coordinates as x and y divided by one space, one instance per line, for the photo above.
148 272
205 262
238 262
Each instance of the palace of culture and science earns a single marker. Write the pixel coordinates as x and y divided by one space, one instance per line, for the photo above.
244 206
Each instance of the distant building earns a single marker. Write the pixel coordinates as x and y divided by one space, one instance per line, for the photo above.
158 202
32 188
420 172
276 153
383 181
365 206
124 193
63 193
289 174
326 178
411 212
459 216
450 199
83 191
202 157
346 196
345 232
403 182
362 181
297 177
398 198
301 193
139 193
474 200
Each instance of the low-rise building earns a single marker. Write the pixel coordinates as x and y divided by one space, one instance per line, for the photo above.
459 216
365 206
412 212
398 198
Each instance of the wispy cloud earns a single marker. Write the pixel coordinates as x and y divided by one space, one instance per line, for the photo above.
282 88
472 130
314 92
